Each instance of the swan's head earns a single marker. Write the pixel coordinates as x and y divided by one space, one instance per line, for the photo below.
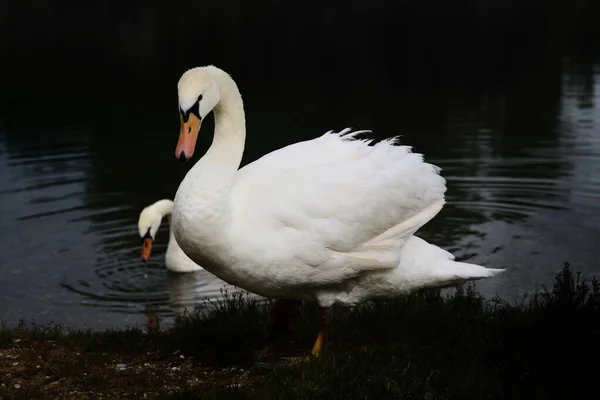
198 93
148 225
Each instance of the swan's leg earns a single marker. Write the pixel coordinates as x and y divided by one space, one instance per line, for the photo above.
323 337
281 317
153 324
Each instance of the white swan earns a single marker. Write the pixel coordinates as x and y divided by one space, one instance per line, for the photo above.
148 224
329 220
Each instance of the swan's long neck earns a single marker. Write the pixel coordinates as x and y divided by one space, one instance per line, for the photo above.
164 208
223 158
202 208
172 240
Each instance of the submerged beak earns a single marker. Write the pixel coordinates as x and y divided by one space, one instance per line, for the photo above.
188 134
146 249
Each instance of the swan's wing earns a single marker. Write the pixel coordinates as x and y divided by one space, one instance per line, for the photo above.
325 149
340 200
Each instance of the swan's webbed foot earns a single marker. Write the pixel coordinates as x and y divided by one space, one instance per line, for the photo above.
322 342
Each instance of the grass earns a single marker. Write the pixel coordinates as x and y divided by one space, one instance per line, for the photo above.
425 346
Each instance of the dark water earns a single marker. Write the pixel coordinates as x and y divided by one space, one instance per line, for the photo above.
506 102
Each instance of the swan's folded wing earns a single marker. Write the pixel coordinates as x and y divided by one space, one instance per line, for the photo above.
323 150
354 208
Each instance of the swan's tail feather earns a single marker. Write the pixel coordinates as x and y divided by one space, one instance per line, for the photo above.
384 250
461 271
407 228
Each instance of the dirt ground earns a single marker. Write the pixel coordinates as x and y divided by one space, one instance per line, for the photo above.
46 369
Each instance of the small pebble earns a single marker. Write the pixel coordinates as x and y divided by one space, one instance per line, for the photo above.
121 366
15 363
17 386
175 369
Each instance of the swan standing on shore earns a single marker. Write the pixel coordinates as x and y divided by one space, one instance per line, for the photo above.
329 220
148 224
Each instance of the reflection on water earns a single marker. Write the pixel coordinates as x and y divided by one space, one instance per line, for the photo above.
128 286
519 146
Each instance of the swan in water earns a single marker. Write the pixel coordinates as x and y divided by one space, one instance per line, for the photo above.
148 224
182 286
329 220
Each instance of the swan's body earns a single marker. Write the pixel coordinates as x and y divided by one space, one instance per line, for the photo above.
148 224
329 220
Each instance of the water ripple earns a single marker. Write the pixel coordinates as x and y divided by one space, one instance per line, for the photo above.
523 193
121 282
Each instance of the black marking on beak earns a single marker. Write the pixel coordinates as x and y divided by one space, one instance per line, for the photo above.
147 235
182 156
185 115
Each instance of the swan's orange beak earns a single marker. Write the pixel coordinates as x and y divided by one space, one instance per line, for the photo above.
187 137
146 249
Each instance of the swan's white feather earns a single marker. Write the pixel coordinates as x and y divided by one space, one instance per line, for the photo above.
334 205
176 260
